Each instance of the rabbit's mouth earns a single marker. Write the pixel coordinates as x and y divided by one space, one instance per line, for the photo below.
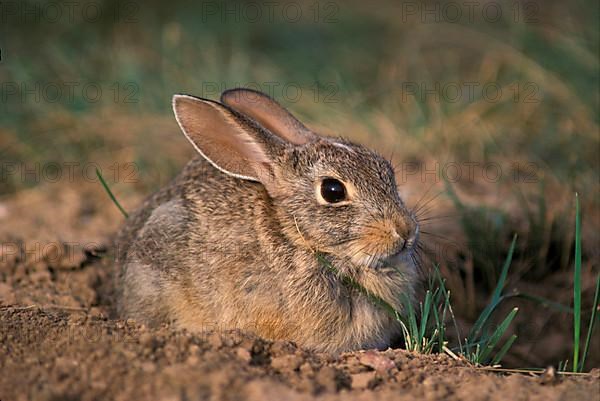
383 244
400 253
377 261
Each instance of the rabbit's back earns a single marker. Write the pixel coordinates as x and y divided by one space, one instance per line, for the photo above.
167 248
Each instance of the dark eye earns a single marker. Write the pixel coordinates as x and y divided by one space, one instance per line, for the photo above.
332 190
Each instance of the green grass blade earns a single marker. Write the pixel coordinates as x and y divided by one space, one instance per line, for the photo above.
109 192
447 308
504 273
439 328
588 339
577 288
504 350
412 324
496 336
496 296
441 323
542 301
425 314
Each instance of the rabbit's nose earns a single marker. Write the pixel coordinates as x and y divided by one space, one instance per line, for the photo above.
405 233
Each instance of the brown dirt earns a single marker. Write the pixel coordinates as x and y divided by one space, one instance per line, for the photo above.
58 341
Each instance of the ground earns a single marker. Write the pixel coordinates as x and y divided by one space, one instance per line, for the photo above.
59 340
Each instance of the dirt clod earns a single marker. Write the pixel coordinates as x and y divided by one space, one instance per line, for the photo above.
376 361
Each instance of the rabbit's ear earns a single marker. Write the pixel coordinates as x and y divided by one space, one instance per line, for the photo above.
268 113
233 144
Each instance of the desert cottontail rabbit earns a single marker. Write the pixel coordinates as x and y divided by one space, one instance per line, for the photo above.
231 242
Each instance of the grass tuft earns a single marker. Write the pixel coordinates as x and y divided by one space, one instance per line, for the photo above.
424 328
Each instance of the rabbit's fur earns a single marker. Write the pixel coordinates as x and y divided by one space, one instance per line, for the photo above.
231 242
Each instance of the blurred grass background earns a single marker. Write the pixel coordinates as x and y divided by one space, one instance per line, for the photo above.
381 73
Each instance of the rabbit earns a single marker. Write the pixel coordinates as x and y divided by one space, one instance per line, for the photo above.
262 230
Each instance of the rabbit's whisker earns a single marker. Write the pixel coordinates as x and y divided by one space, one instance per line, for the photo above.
424 210
419 208
448 216
415 208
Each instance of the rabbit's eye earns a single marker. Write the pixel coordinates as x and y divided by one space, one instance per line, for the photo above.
332 190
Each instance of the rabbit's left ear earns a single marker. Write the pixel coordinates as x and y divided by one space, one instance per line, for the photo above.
269 114
235 145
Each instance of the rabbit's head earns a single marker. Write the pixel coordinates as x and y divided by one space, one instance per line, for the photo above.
328 194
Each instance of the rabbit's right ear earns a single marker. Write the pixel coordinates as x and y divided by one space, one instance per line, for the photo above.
231 143
269 114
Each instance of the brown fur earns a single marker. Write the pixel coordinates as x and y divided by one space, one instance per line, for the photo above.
211 250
